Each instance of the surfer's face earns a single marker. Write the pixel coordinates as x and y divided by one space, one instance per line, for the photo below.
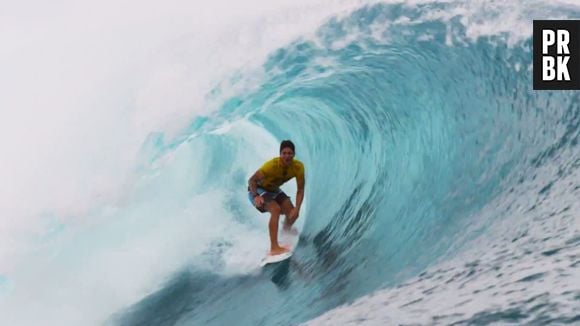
286 155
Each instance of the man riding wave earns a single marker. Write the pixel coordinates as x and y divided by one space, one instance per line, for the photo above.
265 194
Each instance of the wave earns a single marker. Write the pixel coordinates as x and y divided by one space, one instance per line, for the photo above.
409 128
411 119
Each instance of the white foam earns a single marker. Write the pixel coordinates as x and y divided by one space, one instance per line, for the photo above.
84 85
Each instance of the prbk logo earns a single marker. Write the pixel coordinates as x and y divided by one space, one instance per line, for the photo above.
556 54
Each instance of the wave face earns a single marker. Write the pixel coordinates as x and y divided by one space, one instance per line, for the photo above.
411 119
408 129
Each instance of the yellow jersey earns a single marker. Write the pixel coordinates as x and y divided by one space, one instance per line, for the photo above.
276 174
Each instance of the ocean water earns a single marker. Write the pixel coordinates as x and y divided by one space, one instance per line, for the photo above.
440 187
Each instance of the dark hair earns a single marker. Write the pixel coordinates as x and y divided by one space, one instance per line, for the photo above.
287 143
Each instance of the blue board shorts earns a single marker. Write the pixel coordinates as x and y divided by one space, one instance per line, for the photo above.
278 196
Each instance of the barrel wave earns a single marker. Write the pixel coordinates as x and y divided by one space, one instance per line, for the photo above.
437 181
408 129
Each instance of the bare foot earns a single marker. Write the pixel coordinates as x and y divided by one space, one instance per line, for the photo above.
278 251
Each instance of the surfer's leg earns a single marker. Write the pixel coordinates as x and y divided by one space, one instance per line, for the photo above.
287 207
275 211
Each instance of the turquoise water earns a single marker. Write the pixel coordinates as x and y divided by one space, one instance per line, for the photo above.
408 128
440 187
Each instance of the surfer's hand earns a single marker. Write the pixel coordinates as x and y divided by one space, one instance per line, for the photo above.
258 201
293 214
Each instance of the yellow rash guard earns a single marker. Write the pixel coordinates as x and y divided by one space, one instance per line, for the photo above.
276 174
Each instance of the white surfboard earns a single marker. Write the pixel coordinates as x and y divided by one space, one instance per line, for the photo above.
288 240
275 259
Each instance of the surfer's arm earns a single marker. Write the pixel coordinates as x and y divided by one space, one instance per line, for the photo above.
253 182
300 192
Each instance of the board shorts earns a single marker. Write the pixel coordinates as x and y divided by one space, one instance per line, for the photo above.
277 195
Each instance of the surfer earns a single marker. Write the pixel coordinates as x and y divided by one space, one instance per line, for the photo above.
265 194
